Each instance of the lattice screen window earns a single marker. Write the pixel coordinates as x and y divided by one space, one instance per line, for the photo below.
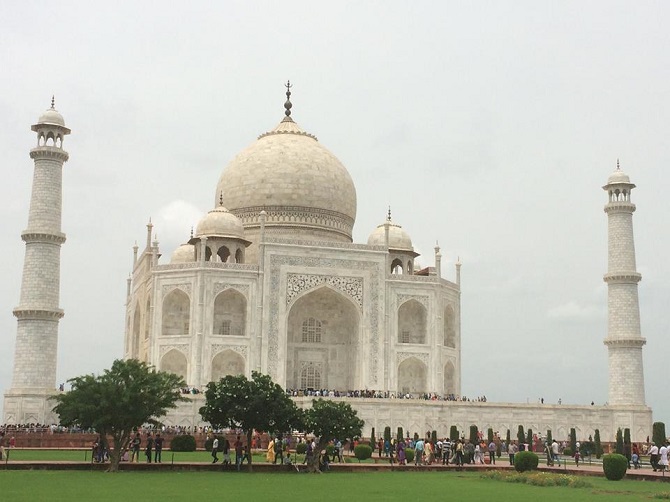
310 377
224 329
311 331
404 336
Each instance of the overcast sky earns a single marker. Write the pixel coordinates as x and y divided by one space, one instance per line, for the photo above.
487 126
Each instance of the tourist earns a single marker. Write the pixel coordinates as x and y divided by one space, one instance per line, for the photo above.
279 451
459 452
554 453
136 443
428 452
158 448
270 455
215 450
635 457
226 451
511 450
149 447
400 448
238 452
653 457
446 451
418 452
663 454
492 452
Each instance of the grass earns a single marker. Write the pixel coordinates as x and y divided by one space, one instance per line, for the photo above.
386 486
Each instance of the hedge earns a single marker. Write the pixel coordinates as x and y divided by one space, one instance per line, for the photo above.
526 461
615 466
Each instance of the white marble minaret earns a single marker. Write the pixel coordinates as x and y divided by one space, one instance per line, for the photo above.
624 341
38 313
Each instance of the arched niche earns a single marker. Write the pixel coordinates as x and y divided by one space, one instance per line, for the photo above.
412 376
331 342
449 327
412 322
230 313
397 267
175 362
137 319
223 253
176 314
147 319
310 376
226 363
449 379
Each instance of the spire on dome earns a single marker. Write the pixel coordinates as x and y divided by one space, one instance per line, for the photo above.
617 165
388 215
288 105
53 102
221 198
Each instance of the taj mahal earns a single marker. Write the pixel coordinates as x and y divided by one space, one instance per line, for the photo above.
270 280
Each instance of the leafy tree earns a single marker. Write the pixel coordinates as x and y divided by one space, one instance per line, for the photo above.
399 436
529 439
598 445
126 396
508 437
453 433
259 403
329 420
658 433
619 441
489 435
474 434
373 440
387 434
520 436
433 437
550 438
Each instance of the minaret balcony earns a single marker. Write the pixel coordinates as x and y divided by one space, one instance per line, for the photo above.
632 342
46 237
626 277
38 314
49 152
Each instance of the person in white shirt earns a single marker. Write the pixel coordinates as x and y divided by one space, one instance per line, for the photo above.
663 453
653 457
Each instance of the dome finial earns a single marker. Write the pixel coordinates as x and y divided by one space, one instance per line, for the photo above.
221 198
53 102
288 105
617 165
388 215
191 231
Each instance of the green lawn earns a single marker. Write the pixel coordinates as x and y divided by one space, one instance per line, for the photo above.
386 486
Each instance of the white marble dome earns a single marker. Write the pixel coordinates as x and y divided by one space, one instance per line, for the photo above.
618 176
51 117
398 238
304 189
220 222
183 254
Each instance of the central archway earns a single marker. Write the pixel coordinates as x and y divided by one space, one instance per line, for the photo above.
322 340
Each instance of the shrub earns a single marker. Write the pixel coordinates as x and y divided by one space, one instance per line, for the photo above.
474 434
184 442
330 450
409 455
567 451
362 452
526 461
301 448
614 466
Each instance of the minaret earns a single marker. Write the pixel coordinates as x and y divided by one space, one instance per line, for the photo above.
624 341
38 313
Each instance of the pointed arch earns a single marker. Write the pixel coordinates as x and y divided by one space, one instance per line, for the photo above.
449 327
223 254
230 313
175 362
397 267
147 319
449 379
137 319
310 377
239 256
412 322
227 362
412 376
176 314
326 314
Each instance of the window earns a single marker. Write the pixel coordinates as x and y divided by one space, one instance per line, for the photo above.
224 329
311 331
404 336
310 377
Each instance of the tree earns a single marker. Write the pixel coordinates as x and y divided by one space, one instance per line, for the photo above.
453 433
508 437
259 403
658 433
433 437
328 420
573 440
529 439
619 441
126 396
373 440
399 436
387 435
489 435
550 438
520 436
474 434
598 445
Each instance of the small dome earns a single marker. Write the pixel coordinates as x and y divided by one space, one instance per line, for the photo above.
220 222
618 176
183 254
51 117
398 238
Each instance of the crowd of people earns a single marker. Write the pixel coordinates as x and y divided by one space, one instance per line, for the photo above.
381 394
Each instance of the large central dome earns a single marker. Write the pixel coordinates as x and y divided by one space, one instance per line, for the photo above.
305 191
